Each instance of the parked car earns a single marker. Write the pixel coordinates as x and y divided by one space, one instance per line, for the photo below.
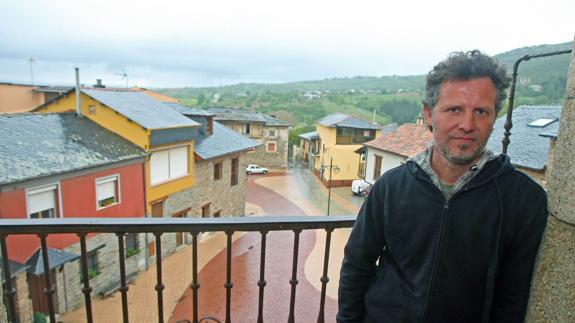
360 187
255 169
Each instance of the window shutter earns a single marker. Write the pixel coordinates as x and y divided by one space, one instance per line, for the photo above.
42 199
159 167
106 189
178 162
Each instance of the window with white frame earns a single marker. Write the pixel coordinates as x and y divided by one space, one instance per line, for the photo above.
168 164
43 202
107 191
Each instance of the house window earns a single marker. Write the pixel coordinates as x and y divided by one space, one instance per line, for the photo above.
169 164
131 244
235 168
271 133
93 269
217 171
247 129
107 191
271 147
206 210
43 202
377 167
217 214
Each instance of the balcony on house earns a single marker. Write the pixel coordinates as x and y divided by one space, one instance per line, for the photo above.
158 229
353 136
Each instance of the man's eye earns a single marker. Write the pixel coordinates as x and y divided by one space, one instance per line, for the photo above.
482 112
453 110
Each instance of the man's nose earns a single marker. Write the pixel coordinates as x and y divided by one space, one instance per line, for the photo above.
467 122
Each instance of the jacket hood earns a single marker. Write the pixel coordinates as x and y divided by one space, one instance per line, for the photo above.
496 167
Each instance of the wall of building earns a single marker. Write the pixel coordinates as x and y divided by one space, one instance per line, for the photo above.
271 159
69 278
19 98
388 161
78 200
163 190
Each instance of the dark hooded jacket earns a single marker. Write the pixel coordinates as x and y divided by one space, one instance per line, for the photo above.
414 256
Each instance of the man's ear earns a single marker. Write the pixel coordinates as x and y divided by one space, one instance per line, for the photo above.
427 116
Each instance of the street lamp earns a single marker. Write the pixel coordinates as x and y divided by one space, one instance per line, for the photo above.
335 169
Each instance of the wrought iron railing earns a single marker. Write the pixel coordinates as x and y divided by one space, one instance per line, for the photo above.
159 226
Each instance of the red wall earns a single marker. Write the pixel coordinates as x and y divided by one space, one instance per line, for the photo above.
78 201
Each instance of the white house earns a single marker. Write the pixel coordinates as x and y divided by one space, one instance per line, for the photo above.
394 148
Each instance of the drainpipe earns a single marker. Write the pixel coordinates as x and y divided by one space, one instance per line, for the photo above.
78 110
508 122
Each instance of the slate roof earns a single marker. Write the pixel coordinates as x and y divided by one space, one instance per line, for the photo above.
55 258
53 89
407 140
343 120
15 268
189 111
140 108
36 145
221 142
245 115
314 135
527 148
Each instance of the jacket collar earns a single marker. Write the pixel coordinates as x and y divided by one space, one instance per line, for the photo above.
423 160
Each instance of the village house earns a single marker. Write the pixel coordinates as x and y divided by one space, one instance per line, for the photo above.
394 148
529 146
220 161
164 134
308 148
340 135
272 133
61 166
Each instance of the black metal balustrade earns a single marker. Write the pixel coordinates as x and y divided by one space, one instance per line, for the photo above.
159 226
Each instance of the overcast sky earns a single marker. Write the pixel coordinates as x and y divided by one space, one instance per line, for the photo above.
213 42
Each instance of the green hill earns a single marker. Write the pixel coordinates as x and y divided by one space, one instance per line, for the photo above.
393 98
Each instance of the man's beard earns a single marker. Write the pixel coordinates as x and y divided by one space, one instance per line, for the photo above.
462 159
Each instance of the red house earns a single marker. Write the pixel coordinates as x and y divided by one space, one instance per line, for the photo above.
62 165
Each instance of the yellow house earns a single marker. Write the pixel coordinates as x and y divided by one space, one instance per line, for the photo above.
340 135
166 136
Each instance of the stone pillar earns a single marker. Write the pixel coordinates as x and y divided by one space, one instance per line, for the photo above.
553 289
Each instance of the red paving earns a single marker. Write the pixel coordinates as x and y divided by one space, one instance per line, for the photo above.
245 273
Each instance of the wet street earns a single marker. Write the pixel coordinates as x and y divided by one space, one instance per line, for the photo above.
295 192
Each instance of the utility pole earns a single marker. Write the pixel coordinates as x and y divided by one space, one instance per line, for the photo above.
336 170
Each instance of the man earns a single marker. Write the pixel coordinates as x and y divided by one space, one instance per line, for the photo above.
451 235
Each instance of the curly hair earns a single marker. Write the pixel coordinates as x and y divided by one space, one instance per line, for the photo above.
466 66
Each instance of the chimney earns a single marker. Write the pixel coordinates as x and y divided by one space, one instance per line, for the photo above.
420 121
99 84
78 108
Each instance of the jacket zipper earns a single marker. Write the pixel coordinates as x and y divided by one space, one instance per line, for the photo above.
436 261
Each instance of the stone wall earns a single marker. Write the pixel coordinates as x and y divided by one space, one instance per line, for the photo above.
69 278
271 159
553 290
23 301
229 200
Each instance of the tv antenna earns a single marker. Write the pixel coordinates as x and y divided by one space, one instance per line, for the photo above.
123 75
